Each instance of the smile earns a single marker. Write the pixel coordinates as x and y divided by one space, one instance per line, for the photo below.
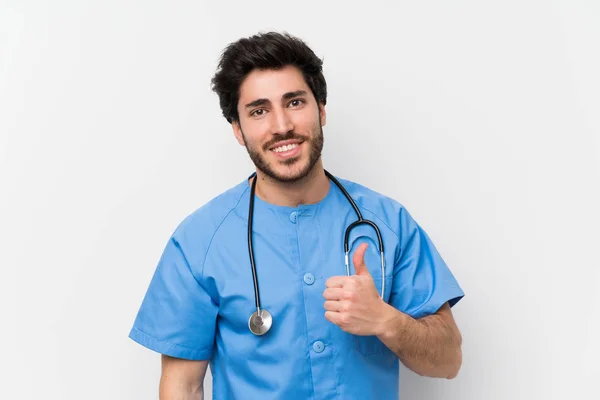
284 148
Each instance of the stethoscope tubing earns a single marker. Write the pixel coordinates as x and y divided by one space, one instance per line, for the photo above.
255 325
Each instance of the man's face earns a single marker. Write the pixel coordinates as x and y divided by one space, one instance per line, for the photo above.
280 123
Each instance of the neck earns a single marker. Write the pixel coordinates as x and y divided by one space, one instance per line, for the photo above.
309 190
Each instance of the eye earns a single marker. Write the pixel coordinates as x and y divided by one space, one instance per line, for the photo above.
296 102
257 113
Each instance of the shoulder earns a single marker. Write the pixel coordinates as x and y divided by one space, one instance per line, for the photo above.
380 206
196 231
210 215
371 200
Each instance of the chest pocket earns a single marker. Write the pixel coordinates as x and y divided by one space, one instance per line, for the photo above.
367 345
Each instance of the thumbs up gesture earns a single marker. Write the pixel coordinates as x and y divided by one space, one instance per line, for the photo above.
358 260
353 302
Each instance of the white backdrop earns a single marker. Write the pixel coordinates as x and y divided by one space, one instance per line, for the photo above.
482 118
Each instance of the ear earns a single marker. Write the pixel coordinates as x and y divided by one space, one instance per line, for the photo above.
323 114
237 131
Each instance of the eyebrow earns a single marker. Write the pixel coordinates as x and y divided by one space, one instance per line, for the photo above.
291 95
286 96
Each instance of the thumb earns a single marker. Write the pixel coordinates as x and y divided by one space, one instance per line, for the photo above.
359 260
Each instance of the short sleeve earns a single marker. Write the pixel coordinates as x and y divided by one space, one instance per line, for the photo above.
177 316
422 282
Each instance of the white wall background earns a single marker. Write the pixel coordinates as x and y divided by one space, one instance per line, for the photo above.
482 118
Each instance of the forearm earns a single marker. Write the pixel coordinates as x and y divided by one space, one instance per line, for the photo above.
182 379
172 389
429 346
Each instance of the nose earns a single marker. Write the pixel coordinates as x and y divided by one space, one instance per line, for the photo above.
282 123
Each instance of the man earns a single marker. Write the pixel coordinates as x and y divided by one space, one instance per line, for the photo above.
332 335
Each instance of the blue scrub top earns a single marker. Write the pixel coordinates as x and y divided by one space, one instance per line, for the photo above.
201 295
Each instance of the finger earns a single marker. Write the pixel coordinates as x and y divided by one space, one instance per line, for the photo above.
333 317
358 259
334 293
331 305
336 281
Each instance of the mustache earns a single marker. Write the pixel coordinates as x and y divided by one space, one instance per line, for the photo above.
288 136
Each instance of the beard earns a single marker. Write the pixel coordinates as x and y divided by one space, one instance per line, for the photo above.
315 145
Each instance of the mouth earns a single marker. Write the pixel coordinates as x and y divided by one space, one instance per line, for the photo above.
286 149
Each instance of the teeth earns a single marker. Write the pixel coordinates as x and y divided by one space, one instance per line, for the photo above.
285 148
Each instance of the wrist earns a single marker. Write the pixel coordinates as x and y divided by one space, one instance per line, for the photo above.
390 323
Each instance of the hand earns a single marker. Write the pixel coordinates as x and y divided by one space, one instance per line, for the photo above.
353 302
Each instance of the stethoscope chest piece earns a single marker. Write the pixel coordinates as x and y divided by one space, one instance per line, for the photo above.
260 324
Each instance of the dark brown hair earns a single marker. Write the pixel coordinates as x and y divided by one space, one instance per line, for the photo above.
263 51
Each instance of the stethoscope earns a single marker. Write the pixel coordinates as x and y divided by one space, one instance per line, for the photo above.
261 320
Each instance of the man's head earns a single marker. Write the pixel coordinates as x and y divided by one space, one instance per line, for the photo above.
272 90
